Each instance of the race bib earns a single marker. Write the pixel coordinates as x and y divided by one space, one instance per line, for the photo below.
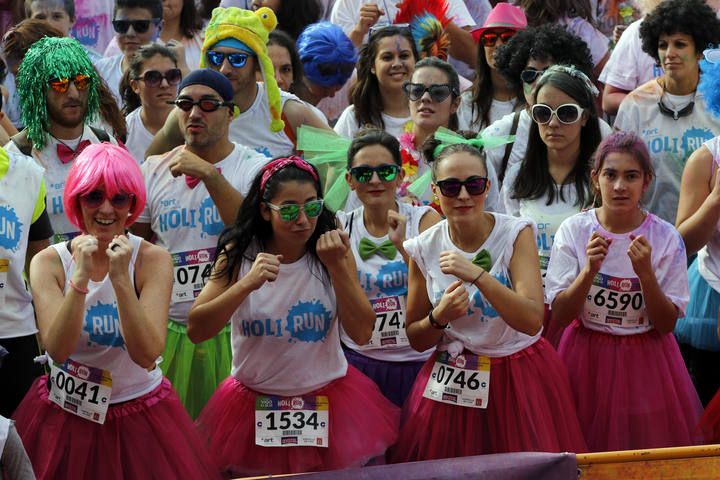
190 273
464 380
81 390
4 269
292 421
615 301
389 329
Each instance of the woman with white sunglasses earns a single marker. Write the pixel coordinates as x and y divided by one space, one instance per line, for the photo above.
553 180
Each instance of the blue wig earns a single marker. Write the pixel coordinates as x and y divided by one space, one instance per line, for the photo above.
709 85
327 54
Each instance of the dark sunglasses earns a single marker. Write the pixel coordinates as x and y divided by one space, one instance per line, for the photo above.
529 75
96 198
332 69
61 85
438 91
207 105
154 78
568 113
386 173
139 26
489 39
473 185
236 60
291 211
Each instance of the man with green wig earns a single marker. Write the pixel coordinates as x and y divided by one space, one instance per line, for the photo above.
58 89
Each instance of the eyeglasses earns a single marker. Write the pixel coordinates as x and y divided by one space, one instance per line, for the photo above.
438 91
139 26
386 173
474 185
568 113
529 75
207 105
154 78
61 85
332 69
96 198
289 212
489 39
236 60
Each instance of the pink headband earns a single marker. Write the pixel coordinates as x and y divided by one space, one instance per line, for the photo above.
278 164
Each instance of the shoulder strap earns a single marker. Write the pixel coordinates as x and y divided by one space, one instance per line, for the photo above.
349 224
22 142
101 135
508 147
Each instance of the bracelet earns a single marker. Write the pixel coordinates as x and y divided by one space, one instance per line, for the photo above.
84 291
435 324
480 275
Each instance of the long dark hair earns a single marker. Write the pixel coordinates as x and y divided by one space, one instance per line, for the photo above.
131 100
235 240
282 39
365 95
534 180
294 15
190 21
453 81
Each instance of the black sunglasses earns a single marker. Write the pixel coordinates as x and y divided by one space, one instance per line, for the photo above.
139 26
154 78
207 105
438 91
386 173
451 187
529 75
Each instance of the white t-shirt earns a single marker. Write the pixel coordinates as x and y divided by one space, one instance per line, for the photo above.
110 69
285 336
186 221
469 115
615 303
629 66
139 138
481 330
383 279
596 41
192 46
709 256
669 141
347 124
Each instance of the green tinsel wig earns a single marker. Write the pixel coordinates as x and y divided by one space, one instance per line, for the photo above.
46 59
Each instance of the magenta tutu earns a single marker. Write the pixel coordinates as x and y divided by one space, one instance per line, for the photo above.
710 421
149 437
530 409
552 331
363 424
632 391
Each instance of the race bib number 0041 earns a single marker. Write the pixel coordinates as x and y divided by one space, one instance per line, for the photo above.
292 421
615 301
464 380
389 329
81 390
191 271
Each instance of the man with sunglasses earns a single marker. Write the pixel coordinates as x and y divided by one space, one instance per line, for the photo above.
266 117
59 96
192 193
136 23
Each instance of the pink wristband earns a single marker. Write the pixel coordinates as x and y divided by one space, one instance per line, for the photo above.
84 291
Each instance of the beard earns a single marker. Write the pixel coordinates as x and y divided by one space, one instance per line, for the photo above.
66 119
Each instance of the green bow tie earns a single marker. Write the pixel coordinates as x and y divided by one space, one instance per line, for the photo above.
368 248
483 260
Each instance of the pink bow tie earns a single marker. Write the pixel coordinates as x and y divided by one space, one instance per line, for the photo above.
67 154
193 181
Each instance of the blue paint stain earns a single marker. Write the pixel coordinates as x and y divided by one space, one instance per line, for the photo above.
210 218
10 228
308 321
102 322
392 279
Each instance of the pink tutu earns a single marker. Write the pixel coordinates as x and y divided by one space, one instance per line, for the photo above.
710 421
552 331
632 391
530 409
149 437
363 424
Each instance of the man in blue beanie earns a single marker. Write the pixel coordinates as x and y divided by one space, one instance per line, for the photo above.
192 193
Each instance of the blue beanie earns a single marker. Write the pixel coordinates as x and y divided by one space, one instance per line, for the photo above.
327 54
210 78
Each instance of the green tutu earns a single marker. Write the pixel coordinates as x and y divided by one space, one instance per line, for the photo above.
195 371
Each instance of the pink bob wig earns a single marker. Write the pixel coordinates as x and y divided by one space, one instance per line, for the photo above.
103 164
624 142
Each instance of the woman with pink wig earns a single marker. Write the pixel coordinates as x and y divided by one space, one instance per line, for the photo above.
101 302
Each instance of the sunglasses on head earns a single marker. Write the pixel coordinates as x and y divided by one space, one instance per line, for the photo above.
291 211
332 69
154 78
207 105
61 85
235 59
474 185
438 91
386 173
529 75
96 198
139 26
568 113
489 39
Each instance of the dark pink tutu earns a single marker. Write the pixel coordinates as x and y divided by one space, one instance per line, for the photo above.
552 331
530 409
363 424
632 392
151 436
710 421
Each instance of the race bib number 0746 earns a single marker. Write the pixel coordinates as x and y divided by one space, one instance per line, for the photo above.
464 380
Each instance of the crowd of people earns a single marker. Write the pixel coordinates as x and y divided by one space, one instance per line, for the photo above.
274 236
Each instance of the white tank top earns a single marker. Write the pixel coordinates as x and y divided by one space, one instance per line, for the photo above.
285 337
19 190
138 136
383 278
709 256
482 330
101 344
